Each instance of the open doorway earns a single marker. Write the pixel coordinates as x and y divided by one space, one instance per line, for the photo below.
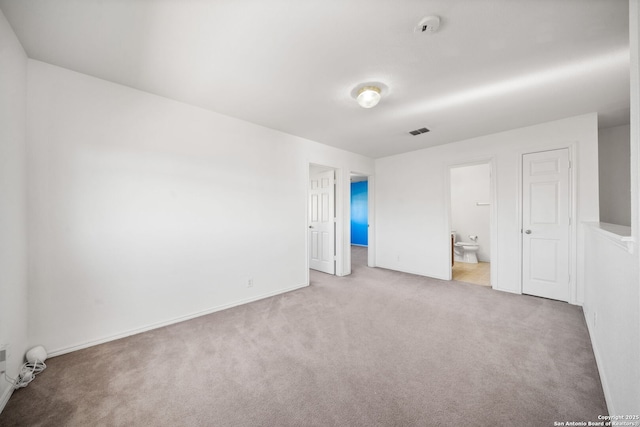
328 220
471 209
359 236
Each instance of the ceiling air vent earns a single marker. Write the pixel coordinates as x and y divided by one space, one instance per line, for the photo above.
418 131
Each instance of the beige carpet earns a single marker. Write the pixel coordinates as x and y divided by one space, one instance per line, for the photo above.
377 348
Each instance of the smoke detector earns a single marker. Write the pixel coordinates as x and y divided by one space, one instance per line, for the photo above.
428 25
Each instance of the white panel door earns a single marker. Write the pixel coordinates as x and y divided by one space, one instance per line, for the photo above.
321 222
546 224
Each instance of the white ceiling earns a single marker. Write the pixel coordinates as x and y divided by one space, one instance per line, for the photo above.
292 64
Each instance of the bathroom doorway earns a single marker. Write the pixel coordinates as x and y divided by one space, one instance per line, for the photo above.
471 203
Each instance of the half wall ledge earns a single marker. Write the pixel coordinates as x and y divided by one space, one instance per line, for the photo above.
619 235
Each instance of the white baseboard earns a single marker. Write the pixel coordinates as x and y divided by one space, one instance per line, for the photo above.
509 291
599 364
80 346
415 273
5 397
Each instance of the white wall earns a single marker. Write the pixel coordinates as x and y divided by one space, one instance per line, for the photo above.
611 312
470 185
145 210
13 230
614 169
612 299
411 207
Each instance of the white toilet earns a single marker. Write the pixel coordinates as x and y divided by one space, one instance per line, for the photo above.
466 251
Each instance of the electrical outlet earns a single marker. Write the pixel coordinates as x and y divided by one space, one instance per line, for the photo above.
250 282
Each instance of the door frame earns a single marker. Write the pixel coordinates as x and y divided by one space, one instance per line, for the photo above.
573 208
343 218
371 244
493 217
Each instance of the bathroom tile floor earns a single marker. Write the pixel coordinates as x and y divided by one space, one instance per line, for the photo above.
478 274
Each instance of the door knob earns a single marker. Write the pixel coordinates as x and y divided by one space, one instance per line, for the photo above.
311 226
527 231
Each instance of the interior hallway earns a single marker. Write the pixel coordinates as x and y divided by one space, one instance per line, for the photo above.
359 256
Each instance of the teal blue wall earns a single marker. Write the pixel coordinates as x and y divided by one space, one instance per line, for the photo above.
359 213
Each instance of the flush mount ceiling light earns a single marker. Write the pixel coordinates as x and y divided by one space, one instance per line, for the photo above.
368 96
369 93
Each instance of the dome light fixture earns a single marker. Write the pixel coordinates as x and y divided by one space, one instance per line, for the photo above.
368 96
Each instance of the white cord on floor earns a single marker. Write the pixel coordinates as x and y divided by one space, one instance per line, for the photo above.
27 373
